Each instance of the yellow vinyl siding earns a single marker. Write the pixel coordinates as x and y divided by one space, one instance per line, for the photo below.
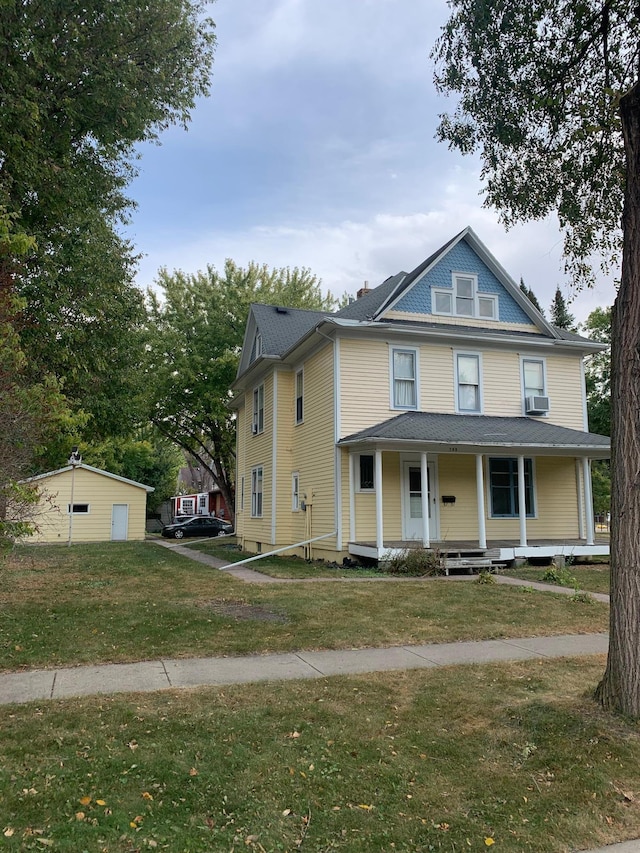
565 391
241 468
258 453
364 384
457 477
437 392
501 385
97 490
286 413
556 503
313 453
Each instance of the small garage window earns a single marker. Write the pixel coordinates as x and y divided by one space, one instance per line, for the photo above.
78 509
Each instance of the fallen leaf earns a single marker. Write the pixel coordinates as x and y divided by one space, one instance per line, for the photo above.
286 812
365 807
79 815
250 839
84 801
146 795
489 842
8 832
101 802
193 772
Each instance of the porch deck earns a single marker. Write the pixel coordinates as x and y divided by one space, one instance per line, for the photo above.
498 550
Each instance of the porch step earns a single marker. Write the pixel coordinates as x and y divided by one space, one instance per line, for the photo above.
471 565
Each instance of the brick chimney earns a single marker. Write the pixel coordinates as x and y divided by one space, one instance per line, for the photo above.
363 290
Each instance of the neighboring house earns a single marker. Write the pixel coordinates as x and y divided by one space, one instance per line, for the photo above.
201 495
439 407
79 503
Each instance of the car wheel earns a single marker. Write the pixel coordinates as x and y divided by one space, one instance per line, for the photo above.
179 534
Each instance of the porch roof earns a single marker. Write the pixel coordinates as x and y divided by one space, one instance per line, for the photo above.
477 433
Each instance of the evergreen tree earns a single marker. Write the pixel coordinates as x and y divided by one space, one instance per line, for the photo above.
531 296
559 313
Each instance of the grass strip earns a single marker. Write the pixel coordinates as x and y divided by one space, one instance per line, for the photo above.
122 602
515 755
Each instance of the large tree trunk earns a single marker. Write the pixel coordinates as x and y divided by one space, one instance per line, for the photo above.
619 689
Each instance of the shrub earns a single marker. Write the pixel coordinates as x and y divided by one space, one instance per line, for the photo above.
416 562
559 576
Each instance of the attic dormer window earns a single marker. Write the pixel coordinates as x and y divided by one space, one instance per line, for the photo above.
463 299
256 349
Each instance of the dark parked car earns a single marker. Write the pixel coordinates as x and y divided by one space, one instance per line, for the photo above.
197 526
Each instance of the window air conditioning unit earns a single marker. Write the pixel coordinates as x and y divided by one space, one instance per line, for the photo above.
254 429
536 405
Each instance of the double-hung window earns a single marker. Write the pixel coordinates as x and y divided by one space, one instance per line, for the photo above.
468 383
533 377
256 491
503 487
258 410
404 368
299 396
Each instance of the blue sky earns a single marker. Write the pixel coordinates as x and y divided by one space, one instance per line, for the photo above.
316 148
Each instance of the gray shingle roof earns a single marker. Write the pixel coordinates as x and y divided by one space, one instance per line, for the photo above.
282 327
367 305
477 430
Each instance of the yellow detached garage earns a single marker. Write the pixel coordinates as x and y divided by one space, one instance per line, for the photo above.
80 503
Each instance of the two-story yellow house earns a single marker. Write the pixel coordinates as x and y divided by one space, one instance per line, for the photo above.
438 408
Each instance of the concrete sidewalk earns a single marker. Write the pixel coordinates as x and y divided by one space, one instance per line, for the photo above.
149 676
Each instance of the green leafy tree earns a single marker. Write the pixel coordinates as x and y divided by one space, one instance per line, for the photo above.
196 328
30 413
549 96
82 83
149 459
597 326
559 313
528 292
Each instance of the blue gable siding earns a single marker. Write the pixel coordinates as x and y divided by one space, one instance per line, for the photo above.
461 259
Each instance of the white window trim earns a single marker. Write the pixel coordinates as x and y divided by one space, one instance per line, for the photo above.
254 494
452 293
416 353
357 483
300 373
459 411
545 390
295 491
256 427
79 503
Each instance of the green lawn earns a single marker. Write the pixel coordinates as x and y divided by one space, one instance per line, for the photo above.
513 757
593 578
139 601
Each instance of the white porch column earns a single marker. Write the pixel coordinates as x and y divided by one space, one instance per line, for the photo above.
378 485
426 498
522 503
482 530
352 497
588 501
579 490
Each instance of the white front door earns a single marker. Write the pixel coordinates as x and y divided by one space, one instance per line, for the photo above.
412 501
119 522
